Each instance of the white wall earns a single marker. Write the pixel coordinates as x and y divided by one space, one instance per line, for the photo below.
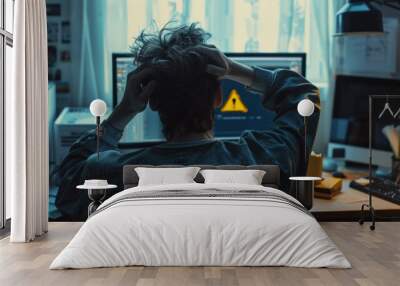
389 12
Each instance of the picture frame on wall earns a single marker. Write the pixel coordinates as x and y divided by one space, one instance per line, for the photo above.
65 32
50 75
52 32
53 9
52 55
65 56
57 75
62 87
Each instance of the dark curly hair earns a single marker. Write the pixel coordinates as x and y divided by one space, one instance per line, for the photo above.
185 92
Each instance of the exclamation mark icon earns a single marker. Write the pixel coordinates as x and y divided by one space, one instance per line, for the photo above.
234 103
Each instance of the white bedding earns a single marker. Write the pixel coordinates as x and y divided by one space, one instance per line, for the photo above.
192 231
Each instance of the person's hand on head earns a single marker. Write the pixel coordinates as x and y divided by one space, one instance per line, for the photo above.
223 67
140 84
218 64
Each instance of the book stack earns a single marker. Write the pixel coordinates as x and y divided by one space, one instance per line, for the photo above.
328 188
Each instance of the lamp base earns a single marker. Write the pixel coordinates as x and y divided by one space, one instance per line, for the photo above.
96 196
304 190
371 213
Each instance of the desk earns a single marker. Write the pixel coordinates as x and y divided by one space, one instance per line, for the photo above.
347 204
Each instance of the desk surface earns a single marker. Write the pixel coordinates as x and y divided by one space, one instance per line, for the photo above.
350 199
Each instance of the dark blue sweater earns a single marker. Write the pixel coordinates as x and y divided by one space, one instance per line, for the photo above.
282 144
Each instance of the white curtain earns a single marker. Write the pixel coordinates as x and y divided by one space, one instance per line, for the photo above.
321 28
98 28
26 116
309 26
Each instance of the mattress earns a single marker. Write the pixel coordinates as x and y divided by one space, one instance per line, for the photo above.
201 225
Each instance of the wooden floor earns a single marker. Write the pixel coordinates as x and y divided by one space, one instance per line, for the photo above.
375 257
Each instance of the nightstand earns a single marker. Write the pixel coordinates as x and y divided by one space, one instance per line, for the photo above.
97 190
304 190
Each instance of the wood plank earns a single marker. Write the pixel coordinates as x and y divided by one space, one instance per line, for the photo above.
375 257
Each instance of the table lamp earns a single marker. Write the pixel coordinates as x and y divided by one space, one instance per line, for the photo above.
305 185
98 108
96 188
305 108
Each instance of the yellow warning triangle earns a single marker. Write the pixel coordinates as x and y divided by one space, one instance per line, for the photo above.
234 103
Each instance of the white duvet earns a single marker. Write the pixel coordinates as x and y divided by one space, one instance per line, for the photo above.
200 231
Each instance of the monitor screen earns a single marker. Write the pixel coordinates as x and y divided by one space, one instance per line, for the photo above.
350 118
241 109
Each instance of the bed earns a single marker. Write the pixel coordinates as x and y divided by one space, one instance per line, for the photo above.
197 224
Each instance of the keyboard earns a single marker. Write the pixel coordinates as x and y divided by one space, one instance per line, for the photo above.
381 188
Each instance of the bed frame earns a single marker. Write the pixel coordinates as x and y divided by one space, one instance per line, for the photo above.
270 179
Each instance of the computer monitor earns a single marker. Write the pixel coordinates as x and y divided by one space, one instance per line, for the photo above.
241 109
350 119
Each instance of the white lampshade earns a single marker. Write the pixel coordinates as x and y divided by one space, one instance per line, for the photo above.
305 107
98 107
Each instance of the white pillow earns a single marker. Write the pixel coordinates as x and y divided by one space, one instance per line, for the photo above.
248 177
165 176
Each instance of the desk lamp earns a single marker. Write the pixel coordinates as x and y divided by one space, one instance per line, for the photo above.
305 185
360 16
96 188
98 108
305 108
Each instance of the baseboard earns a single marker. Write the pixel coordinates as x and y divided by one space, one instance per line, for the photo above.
5 231
380 215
